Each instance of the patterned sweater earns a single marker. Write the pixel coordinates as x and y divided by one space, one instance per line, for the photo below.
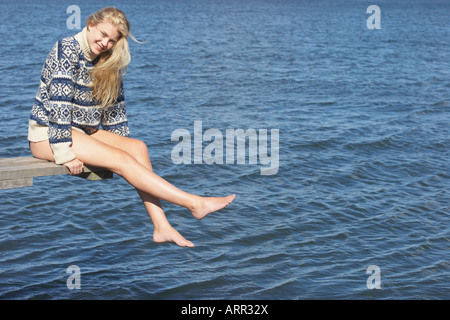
63 101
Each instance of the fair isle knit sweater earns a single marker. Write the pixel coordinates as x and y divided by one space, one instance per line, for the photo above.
63 101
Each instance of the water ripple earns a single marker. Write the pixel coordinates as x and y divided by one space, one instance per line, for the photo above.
363 171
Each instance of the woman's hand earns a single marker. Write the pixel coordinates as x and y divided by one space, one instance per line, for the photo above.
75 166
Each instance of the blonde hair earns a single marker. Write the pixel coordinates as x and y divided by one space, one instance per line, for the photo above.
112 65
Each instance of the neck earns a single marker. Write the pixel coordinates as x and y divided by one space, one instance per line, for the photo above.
81 37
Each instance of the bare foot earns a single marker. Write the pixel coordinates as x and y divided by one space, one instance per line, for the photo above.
207 205
169 234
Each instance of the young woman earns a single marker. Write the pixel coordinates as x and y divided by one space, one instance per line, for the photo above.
79 117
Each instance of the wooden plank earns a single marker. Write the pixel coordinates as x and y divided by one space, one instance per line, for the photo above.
16 183
8 161
19 171
27 170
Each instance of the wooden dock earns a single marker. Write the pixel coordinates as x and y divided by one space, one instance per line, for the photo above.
19 172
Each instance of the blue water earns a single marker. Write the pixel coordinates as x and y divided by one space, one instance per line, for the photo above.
363 175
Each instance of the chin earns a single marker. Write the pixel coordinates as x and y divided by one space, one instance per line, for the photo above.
94 50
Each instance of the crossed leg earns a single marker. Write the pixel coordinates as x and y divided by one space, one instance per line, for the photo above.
129 158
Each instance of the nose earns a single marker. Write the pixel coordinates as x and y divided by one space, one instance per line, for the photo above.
104 42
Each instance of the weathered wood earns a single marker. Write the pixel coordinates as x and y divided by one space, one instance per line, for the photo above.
16 183
20 171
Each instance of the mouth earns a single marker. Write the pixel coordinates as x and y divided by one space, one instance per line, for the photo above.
99 47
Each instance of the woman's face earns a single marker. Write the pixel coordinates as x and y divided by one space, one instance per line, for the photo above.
102 37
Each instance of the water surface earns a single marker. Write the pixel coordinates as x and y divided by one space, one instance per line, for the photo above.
363 173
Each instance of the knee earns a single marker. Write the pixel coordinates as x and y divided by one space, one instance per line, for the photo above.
136 153
141 148
139 151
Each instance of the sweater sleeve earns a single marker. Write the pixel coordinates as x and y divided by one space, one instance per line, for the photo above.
114 117
60 87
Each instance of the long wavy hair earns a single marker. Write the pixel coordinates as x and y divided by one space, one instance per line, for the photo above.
107 73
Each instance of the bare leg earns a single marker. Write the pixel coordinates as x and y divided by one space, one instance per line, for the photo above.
103 150
163 232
